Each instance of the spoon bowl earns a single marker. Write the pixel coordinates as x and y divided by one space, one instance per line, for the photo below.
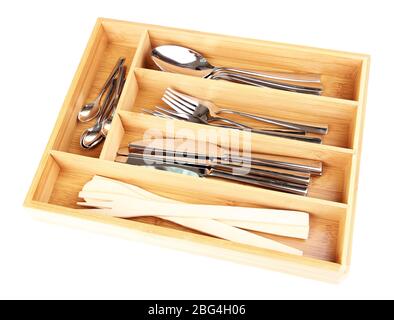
89 111
177 59
91 137
183 60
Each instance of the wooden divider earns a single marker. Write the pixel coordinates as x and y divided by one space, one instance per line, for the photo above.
65 167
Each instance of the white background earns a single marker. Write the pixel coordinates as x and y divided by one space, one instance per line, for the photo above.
41 45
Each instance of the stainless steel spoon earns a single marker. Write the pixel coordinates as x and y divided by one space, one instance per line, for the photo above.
183 60
235 77
92 137
106 124
93 109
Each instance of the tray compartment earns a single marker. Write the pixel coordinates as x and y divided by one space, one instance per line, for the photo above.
71 172
63 170
330 186
340 73
147 90
338 114
102 54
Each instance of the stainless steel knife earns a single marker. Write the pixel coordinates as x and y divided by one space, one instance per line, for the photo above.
203 171
229 167
312 167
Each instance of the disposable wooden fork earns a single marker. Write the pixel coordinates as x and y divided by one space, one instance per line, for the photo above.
300 230
226 232
121 206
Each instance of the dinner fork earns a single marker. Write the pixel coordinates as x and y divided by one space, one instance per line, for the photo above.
201 112
192 103
170 114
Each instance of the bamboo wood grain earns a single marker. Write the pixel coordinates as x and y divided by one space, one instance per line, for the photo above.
186 187
337 115
208 226
101 184
164 236
142 207
74 175
64 115
329 186
327 252
77 171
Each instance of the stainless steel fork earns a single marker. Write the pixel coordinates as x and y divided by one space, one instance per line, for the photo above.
194 102
184 105
171 114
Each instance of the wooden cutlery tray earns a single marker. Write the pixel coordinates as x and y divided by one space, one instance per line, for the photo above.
65 166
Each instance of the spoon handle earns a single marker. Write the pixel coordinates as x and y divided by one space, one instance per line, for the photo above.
319 129
265 83
115 70
313 80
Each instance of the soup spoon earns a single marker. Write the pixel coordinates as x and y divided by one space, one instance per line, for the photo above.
91 110
183 60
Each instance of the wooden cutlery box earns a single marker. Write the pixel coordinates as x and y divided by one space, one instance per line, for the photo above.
65 167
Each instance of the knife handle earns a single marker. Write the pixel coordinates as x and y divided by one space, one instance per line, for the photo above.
262 182
293 164
300 178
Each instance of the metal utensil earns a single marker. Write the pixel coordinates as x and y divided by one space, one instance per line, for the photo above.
214 152
238 78
91 110
106 125
199 171
183 60
91 137
214 111
202 113
218 164
170 114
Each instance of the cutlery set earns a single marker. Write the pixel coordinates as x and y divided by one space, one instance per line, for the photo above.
119 199
290 175
193 109
271 172
177 59
103 111
242 129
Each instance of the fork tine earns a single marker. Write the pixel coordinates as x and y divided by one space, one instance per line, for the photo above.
179 104
156 113
161 115
187 104
190 99
176 106
172 113
147 111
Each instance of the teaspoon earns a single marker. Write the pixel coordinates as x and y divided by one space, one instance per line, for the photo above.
91 110
92 137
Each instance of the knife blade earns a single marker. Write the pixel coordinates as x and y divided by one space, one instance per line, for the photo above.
272 173
191 147
194 170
